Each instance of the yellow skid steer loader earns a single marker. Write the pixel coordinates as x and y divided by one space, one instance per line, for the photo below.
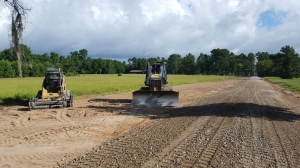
54 92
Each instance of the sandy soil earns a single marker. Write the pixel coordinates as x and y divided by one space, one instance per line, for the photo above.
52 137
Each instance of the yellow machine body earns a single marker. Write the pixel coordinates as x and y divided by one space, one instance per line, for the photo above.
54 92
156 92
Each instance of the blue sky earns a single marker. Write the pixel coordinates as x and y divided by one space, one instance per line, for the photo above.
271 18
122 29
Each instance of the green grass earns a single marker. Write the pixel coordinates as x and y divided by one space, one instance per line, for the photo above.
290 84
20 90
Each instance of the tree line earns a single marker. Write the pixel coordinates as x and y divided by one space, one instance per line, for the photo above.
285 64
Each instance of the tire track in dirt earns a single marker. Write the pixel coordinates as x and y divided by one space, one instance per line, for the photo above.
125 145
39 140
27 159
43 135
43 142
111 152
271 151
294 125
285 136
183 138
42 130
183 154
249 128
278 150
234 145
262 153
271 134
213 143
257 131
293 153
61 115
22 120
246 125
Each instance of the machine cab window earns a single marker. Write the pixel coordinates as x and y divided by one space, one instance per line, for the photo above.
52 82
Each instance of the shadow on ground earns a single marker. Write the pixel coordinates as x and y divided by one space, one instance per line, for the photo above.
111 100
244 110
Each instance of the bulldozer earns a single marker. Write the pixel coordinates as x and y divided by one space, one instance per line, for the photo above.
156 92
54 92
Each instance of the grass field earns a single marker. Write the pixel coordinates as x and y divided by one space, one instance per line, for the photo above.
290 84
20 90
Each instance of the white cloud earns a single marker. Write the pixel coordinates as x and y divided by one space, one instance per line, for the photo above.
156 9
149 28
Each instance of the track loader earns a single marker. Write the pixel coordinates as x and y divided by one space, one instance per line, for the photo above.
54 92
156 92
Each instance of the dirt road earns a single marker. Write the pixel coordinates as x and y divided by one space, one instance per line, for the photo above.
237 123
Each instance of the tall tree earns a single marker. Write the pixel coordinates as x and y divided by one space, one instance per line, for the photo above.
261 56
6 69
153 59
251 59
110 67
264 64
132 63
6 54
264 68
142 64
188 64
289 64
174 64
83 56
99 65
245 64
54 59
18 15
119 67
203 63
221 61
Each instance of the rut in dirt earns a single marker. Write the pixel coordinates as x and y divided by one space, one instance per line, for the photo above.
246 125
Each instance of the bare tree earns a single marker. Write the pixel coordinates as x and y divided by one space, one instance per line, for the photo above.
18 16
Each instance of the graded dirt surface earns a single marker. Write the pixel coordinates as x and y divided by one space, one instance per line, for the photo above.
237 123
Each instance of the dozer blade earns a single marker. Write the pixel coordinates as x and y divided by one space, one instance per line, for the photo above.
155 98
